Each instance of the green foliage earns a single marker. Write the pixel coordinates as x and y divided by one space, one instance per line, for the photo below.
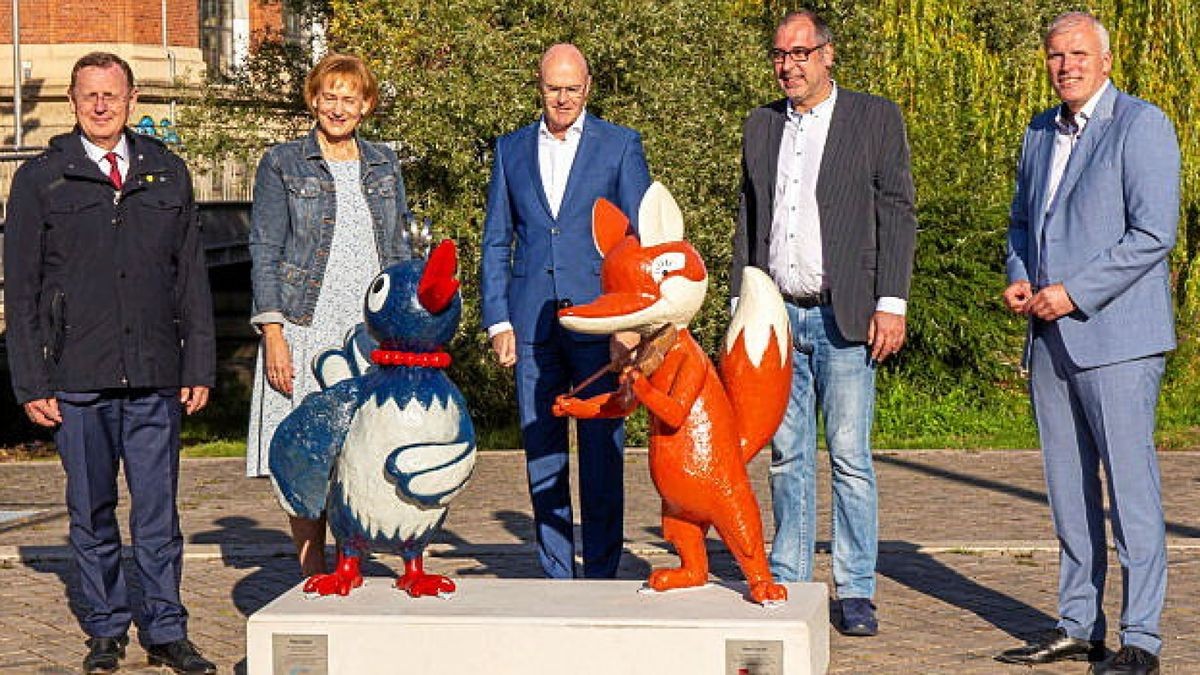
968 75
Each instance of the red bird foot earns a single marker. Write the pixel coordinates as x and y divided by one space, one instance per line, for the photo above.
343 578
421 584
418 584
768 593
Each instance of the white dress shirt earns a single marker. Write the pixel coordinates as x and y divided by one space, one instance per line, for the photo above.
1064 141
555 158
97 153
795 250
795 255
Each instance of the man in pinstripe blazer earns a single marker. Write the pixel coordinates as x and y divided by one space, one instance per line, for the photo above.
827 209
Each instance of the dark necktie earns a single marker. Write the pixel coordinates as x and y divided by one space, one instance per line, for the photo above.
114 171
1066 122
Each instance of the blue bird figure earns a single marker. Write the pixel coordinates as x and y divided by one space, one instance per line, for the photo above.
387 443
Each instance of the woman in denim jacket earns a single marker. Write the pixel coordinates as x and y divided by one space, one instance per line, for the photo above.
321 203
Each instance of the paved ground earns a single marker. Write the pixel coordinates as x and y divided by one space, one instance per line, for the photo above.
967 564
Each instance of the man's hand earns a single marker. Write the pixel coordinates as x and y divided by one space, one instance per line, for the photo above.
277 359
1017 296
885 334
1050 303
504 346
44 412
620 348
193 398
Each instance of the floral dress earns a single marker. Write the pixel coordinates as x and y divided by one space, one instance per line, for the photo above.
353 262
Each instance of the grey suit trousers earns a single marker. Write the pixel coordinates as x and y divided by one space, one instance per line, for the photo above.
1085 418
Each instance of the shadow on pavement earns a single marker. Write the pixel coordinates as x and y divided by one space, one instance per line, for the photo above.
1035 496
904 563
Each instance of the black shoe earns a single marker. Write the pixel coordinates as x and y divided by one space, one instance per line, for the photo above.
857 618
104 654
1056 646
1128 661
180 656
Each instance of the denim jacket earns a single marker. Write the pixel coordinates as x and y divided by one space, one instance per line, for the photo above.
292 221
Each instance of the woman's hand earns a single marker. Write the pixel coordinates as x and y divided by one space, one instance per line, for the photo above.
277 359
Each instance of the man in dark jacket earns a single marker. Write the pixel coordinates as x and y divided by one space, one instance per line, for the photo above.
110 339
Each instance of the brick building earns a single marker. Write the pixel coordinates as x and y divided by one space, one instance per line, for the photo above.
171 45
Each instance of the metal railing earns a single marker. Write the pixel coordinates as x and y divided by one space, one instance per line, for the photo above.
225 179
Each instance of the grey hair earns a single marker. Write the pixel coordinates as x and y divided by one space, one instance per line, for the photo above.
1069 20
824 34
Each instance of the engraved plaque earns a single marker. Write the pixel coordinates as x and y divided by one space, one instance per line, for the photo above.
753 657
299 654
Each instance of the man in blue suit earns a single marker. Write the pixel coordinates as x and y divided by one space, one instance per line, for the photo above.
1092 222
538 256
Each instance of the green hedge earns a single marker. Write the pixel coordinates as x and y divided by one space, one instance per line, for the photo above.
967 73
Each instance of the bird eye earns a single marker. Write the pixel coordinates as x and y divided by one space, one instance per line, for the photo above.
378 292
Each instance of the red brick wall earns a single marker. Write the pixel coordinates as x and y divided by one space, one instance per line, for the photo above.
266 20
120 21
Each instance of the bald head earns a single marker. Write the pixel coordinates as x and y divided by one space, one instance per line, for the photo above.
564 82
563 53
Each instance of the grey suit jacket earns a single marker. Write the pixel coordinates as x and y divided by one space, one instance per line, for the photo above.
864 195
1107 235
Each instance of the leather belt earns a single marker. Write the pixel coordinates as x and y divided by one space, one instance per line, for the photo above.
808 301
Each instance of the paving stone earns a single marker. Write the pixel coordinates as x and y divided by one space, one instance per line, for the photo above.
967 567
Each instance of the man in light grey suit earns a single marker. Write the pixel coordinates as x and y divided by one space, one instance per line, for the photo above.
827 211
1093 220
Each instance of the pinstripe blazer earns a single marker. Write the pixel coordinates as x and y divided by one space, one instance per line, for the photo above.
864 195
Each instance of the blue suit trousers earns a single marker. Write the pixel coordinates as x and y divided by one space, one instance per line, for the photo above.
545 370
1087 418
99 432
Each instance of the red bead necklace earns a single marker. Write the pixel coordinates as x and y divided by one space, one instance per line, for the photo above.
389 357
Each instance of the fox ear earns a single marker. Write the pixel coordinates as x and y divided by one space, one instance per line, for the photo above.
659 217
609 225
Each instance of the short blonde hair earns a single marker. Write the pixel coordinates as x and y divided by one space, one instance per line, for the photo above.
342 66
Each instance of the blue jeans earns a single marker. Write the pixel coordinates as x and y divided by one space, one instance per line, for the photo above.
839 376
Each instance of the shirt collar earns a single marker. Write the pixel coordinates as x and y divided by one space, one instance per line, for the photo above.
819 110
1085 113
97 153
576 128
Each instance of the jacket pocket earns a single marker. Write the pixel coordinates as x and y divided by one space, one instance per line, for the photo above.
58 325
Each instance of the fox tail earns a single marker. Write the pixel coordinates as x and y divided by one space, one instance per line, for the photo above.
756 362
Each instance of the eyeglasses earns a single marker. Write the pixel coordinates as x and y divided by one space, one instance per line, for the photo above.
798 54
574 91
93 99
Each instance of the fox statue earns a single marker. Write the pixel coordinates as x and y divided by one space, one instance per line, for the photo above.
705 424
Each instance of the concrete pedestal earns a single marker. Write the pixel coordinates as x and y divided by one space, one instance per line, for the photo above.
526 627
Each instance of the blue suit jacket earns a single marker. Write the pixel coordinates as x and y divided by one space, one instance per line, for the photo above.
1107 235
531 260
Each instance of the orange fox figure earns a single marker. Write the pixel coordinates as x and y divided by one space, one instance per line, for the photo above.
704 426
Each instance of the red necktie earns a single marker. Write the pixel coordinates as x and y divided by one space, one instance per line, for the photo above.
114 171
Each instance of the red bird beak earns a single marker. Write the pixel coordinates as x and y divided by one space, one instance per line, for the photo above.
438 285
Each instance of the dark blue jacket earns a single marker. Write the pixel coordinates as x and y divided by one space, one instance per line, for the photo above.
293 217
530 260
105 290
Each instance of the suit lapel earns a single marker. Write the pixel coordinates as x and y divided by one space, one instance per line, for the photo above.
774 138
535 169
1085 146
1042 152
841 125
583 155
